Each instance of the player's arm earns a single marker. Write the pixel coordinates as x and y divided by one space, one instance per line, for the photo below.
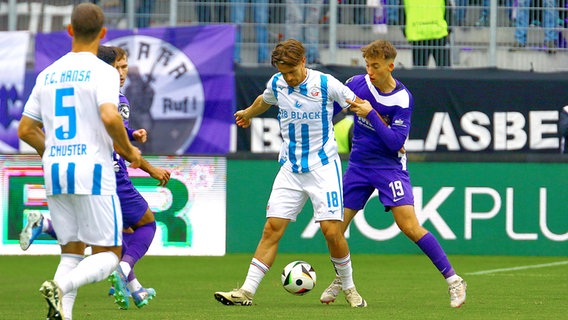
392 138
30 131
362 108
243 117
115 128
160 174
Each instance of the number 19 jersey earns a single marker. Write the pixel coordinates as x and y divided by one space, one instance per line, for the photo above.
78 149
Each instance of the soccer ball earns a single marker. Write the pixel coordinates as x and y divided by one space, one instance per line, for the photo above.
298 277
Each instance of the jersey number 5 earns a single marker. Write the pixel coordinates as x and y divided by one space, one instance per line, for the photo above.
69 130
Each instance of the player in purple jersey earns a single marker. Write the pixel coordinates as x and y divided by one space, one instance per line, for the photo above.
378 160
138 220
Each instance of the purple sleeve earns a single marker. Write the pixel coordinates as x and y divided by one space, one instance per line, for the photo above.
130 133
393 138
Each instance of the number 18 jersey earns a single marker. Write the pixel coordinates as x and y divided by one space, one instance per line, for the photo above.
78 149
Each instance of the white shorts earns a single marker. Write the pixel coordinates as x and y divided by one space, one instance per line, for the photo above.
93 219
323 186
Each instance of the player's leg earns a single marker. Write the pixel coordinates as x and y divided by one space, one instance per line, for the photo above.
96 227
286 201
31 230
137 244
261 262
356 191
324 185
330 293
341 259
395 192
36 225
406 220
140 228
140 295
138 241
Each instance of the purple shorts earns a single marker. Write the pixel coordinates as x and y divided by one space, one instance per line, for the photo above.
132 203
393 185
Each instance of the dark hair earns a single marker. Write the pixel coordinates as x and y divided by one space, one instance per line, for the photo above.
107 54
290 52
379 49
120 53
87 21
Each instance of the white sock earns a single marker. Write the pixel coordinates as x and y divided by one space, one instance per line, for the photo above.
68 301
344 271
256 272
125 268
67 263
134 285
94 268
453 279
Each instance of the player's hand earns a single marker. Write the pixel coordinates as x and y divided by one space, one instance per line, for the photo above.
241 119
162 175
140 135
361 109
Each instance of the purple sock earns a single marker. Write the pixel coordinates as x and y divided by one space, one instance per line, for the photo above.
126 238
137 243
431 247
50 230
131 275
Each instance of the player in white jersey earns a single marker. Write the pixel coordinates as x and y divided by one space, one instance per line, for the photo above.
75 102
310 166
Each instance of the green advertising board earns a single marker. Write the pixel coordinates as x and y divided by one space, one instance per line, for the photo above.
473 208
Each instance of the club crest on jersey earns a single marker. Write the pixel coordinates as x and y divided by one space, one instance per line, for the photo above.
315 91
165 92
124 111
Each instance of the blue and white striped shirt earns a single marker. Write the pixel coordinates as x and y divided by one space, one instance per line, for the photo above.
305 116
78 149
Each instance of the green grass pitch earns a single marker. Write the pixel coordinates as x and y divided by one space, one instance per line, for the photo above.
395 287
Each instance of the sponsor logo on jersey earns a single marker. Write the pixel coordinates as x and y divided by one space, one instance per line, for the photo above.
399 122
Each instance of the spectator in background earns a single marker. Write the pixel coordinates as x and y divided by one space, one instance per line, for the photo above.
357 10
211 11
460 9
143 13
427 31
116 10
302 24
260 12
393 8
550 21
563 128
484 16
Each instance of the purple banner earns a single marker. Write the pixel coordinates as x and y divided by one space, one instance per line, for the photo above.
180 84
